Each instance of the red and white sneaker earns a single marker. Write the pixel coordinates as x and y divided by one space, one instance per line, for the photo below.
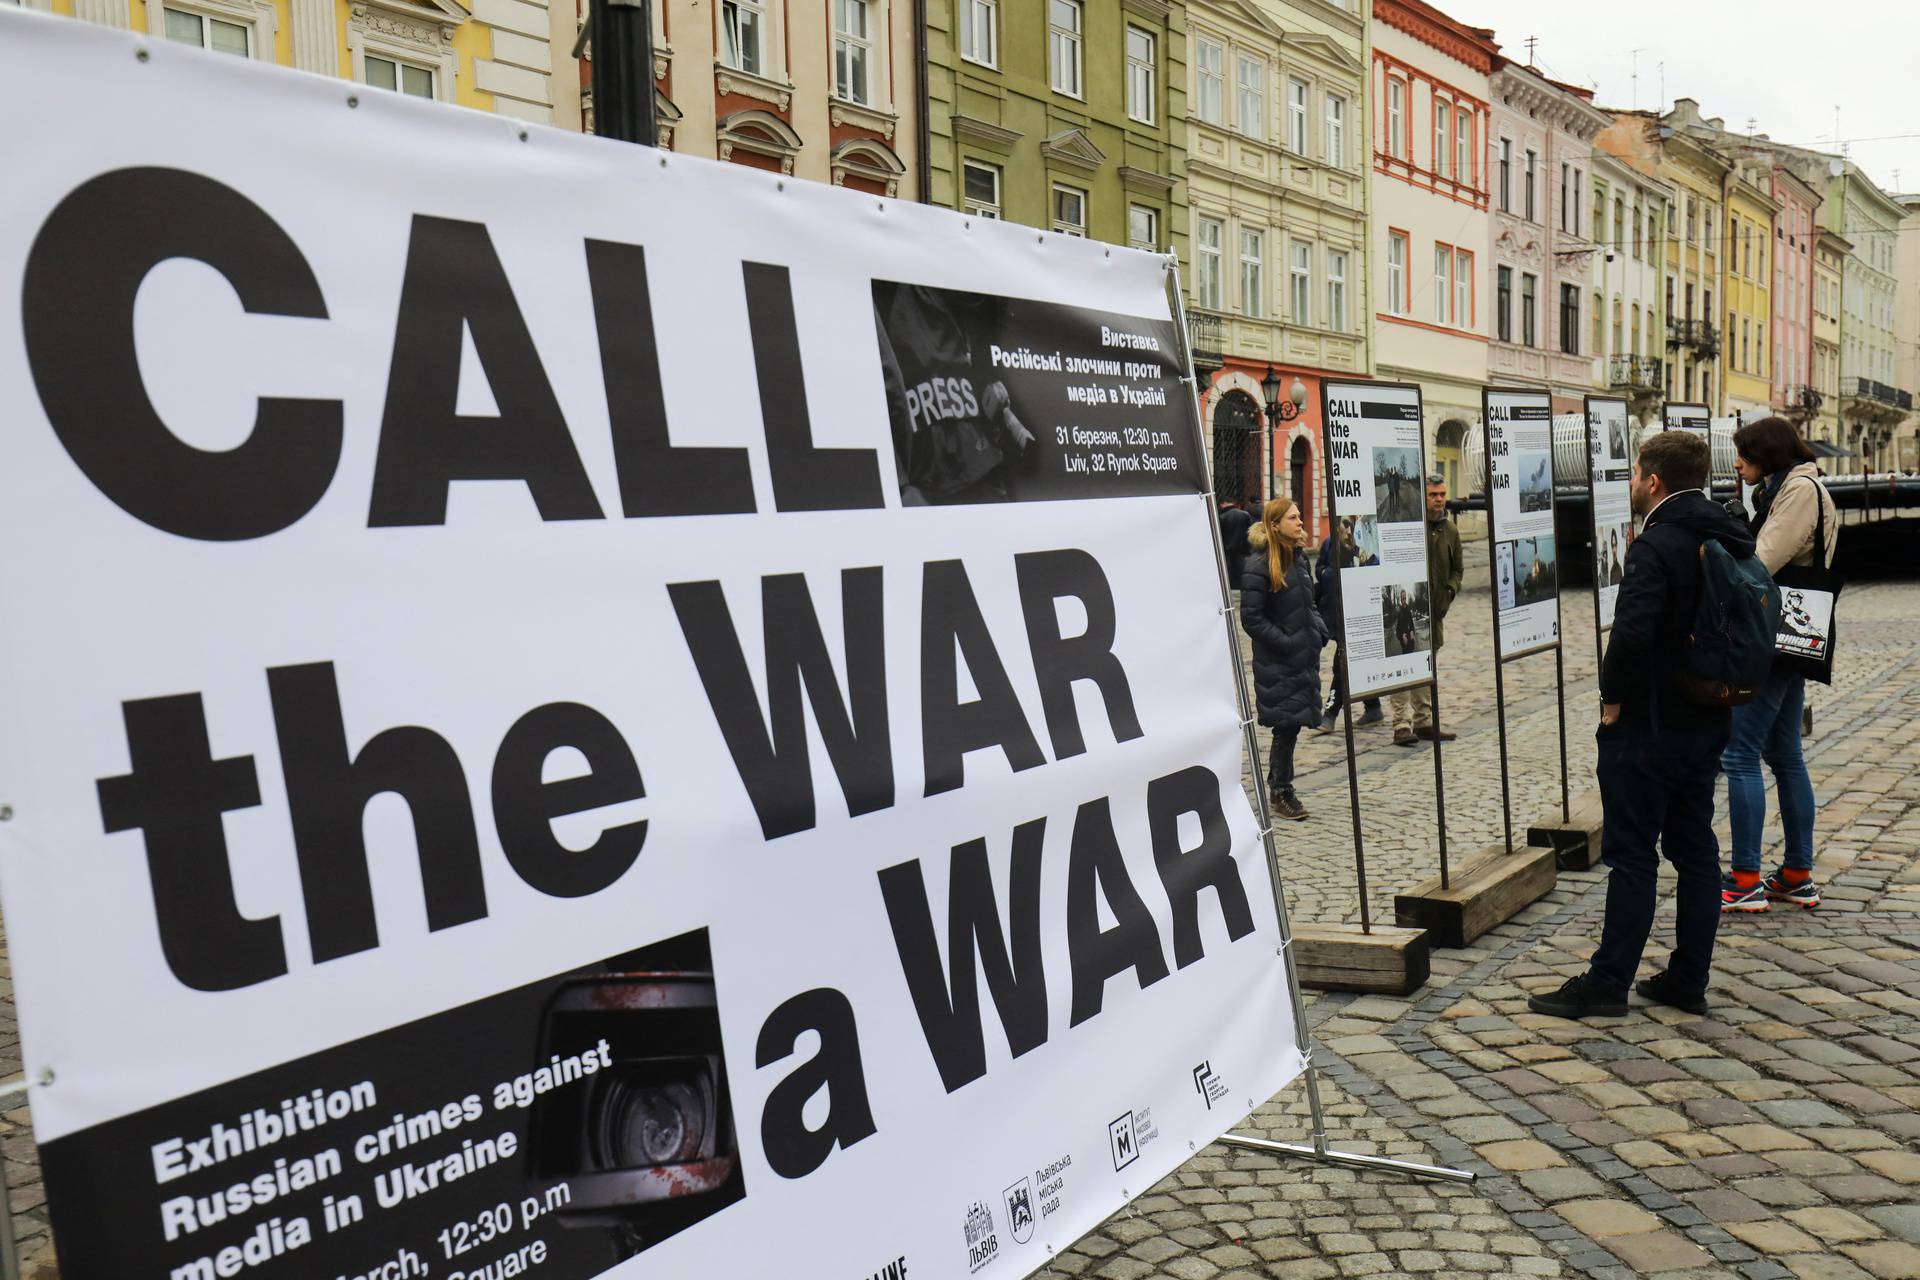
1804 894
1734 898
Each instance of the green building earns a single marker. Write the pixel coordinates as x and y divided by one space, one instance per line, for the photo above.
1063 114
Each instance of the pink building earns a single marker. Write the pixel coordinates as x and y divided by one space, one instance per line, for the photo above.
1794 233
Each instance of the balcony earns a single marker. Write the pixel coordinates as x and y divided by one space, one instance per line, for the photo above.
1803 401
1698 334
1879 392
1634 373
1208 332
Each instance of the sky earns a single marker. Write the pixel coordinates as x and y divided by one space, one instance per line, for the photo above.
1783 64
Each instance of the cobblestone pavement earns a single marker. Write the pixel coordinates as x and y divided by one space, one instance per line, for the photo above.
1776 1138
1779 1137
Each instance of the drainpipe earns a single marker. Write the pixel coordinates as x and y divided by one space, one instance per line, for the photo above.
923 139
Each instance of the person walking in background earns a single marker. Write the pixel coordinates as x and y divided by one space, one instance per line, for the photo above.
1446 567
1276 610
1659 750
1326 598
1235 520
1790 508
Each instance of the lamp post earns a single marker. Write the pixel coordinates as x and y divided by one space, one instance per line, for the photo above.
1279 411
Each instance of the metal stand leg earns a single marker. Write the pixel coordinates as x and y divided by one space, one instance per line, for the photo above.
1250 733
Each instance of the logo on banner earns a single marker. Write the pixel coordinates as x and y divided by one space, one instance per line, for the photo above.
1210 1086
1019 1198
1129 1133
983 1245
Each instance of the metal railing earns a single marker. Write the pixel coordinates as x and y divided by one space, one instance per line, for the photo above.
1880 392
1209 336
1637 373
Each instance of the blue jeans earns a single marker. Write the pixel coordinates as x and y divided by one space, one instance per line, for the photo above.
1768 728
1656 789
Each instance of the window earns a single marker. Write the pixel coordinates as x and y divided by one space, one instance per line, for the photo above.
1063 45
1336 130
384 73
1693 214
1746 344
1620 227
1252 278
1462 144
743 35
1619 346
1579 178
1636 329
1250 96
222 37
1140 75
1669 298
1207 236
1442 281
1442 136
1599 311
1533 165
1570 319
982 182
1760 345
1397 272
1396 117
1463 288
1069 210
1297 116
1529 289
1210 80
1689 307
1143 228
1506 175
980 32
1300 282
1566 201
853 51
1639 243
1653 237
1337 289
1503 304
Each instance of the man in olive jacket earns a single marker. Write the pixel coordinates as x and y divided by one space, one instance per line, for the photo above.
1413 708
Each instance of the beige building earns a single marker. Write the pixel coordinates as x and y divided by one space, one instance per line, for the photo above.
1830 253
1906 332
826 91
511 57
1277 185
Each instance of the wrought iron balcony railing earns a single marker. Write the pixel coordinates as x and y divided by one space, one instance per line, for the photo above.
1634 373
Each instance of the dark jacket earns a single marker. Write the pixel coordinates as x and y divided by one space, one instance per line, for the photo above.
1326 582
1654 612
1234 523
1446 568
1288 634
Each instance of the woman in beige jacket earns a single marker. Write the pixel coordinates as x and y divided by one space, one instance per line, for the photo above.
1791 506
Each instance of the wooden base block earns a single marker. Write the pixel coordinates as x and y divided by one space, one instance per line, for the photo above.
1339 957
1576 843
1487 890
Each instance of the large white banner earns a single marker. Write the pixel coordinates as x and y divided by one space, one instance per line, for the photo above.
1526 569
1378 479
1610 500
578 711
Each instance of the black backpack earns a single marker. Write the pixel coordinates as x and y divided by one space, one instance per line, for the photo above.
1730 647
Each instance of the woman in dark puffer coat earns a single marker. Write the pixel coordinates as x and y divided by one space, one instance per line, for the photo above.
1276 610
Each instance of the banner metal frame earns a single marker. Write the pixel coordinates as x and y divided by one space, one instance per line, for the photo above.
1318 1150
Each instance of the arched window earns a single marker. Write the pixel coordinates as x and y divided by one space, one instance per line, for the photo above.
1236 448
1446 453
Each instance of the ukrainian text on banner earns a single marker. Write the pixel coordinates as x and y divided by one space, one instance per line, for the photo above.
1610 500
1376 444
561 727
1526 572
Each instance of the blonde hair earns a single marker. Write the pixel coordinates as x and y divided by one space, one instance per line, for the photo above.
1279 550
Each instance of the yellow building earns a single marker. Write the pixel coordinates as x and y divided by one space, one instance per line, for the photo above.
1831 250
512 57
1746 282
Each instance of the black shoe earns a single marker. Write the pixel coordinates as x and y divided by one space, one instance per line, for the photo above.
1579 998
1373 715
1287 805
1662 989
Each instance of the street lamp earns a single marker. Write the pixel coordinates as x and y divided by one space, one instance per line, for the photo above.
1279 411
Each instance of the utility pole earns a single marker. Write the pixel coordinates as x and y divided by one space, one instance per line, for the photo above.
620 35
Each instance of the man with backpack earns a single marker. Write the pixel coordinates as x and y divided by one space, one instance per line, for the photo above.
1692 636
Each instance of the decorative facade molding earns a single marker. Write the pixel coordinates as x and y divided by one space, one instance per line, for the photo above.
1073 148
759 133
865 158
105 13
1156 10
990 136
731 80
841 112
1135 179
417 33
316 42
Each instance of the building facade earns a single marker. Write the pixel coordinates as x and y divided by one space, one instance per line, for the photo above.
1906 330
827 92
1545 228
1830 251
1431 231
1627 271
1871 407
1069 115
1277 279
511 57
1793 267
1746 286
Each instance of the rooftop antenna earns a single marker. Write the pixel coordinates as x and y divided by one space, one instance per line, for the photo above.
1663 87
1636 76
1533 45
